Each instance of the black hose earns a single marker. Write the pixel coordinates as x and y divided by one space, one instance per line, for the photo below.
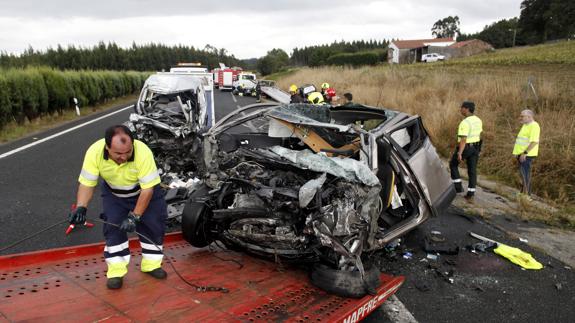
199 288
32 235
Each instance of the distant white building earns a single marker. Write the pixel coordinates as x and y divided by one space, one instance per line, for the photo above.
410 51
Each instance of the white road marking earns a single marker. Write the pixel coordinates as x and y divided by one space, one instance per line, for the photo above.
11 152
233 97
396 311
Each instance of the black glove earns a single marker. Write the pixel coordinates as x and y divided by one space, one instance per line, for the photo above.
129 224
78 215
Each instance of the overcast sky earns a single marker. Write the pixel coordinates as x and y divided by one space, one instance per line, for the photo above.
245 28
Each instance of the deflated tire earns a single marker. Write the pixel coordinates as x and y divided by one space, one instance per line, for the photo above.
193 218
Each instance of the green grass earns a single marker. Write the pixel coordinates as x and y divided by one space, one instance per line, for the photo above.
281 74
558 53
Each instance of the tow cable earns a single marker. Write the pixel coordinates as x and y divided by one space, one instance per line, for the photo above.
199 288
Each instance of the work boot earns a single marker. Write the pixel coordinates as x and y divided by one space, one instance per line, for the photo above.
114 282
158 273
469 197
458 187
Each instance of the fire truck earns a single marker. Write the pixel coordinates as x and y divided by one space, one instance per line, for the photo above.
227 76
203 285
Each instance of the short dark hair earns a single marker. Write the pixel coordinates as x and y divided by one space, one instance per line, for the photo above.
348 96
469 105
117 129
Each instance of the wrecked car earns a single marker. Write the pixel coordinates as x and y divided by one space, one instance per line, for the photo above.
172 109
312 184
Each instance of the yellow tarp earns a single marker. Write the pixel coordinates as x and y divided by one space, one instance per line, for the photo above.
518 257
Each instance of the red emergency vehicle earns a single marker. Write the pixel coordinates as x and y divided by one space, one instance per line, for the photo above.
227 76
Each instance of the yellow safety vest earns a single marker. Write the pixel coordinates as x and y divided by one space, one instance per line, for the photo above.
471 127
124 180
529 133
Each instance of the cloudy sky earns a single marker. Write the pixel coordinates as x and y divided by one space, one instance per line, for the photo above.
245 28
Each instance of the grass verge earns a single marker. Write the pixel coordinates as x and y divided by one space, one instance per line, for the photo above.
281 74
13 131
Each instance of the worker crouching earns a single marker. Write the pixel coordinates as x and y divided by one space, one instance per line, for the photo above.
132 200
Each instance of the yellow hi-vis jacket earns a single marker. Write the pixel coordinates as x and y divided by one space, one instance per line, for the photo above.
124 180
470 127
529 133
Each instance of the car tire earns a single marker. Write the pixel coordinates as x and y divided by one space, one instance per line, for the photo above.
194 217
345 283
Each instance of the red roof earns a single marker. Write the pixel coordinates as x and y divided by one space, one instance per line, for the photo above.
462 43
416 43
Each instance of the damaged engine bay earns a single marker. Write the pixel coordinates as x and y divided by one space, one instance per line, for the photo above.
294 183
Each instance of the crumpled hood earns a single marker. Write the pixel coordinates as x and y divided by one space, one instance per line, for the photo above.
348 168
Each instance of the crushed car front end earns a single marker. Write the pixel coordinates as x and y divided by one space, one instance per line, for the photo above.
314 183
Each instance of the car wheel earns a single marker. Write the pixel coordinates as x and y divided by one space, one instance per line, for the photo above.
194 218
345 283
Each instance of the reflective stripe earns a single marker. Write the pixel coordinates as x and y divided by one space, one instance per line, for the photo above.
118 259
522 141
126 195
89 176
126 188
150 177
471 189
152 256
456 180
150 246
117 248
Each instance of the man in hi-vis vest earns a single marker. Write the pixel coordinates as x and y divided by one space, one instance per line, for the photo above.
527 148
468 148
132 201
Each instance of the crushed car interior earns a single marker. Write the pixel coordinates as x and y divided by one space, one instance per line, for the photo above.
317 185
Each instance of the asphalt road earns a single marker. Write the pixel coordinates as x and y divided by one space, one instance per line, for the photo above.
38 186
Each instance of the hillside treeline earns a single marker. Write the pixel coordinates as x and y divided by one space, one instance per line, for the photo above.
355 53
26 94
150 57
540 21
319 55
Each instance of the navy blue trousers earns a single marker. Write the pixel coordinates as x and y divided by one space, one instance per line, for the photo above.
152 224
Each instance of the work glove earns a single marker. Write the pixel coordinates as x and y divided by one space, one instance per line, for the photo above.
129 224
78 215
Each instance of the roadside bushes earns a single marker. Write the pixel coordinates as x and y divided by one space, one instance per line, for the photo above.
35 91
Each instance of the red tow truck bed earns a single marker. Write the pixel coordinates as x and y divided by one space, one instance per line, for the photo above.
68 284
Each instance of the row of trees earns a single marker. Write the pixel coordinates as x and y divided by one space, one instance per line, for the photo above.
150 57
319 54
36 91
353 53
540 21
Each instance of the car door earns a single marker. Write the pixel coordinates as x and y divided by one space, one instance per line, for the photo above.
410 139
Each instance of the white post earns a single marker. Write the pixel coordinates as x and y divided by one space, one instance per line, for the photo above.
77 108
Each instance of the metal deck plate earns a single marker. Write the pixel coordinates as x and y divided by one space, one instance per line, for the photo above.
69 284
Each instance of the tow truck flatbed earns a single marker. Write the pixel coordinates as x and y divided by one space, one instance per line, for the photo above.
68 284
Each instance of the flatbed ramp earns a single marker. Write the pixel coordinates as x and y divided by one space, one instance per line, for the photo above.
68 285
